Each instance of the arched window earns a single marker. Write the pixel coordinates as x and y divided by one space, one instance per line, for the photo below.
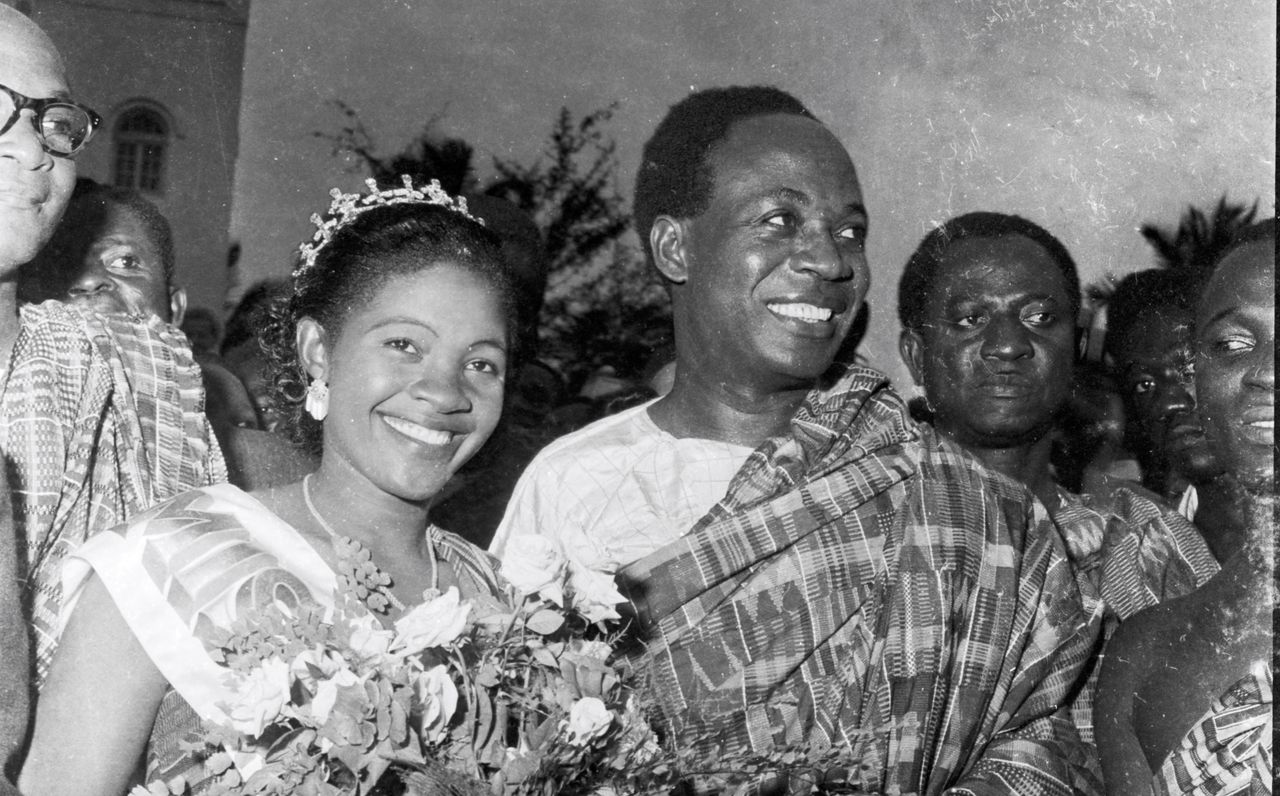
142 142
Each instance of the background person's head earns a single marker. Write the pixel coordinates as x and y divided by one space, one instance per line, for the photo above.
1235 359
525 255
203 330
407 315
35 178
241 350
112 252
753 215
988 306
1148 343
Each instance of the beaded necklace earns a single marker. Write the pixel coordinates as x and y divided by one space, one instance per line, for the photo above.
357 573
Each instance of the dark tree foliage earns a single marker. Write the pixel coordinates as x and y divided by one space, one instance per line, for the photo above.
1190 250
570 190
603 305
429 156
1195 245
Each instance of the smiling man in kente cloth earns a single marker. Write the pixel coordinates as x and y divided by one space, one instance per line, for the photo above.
809 566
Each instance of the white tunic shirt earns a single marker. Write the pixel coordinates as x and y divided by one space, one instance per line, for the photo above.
618 489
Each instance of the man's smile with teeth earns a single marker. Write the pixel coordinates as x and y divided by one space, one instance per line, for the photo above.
805 312
429 436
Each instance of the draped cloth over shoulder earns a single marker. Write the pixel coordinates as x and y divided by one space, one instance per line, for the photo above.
1229 750
867 584
197 563
102 416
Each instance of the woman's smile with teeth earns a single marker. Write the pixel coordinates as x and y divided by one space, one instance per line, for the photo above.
428 436
805 312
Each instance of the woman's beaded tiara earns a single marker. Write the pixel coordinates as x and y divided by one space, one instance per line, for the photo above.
346 207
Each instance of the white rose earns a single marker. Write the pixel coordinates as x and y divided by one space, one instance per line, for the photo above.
316 664
259 697
588 720
434 623
322 673
369 638
439 699
326 695
594 594
534 565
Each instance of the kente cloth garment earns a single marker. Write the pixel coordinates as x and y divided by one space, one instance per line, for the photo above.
1129 553
1229 749
1149 553
101 416
196 563
868 584
15 696
618 489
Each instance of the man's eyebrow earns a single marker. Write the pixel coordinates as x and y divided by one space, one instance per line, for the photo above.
802 198
792 195
1217 316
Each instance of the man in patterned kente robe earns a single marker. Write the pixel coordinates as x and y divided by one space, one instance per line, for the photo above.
99 417
811 570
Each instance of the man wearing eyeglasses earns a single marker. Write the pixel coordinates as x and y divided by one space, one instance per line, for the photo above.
88 426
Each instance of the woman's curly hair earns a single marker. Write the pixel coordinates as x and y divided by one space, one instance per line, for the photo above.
379 245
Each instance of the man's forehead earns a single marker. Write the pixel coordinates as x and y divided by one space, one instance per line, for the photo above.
777 136
781 153
28 54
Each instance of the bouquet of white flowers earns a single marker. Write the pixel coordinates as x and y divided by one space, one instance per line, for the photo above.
462 696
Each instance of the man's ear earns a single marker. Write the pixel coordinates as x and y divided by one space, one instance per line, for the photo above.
313 348
667 242
177 305
911 349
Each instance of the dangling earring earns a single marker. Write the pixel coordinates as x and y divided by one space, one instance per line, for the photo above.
317 404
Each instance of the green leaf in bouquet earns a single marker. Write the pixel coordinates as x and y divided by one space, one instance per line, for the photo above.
516 768
542 732
545 656
564 695
377 763
399 730
488 676
492 746
384 719
314 785
218 762
347 730
291 743
349 755
545 622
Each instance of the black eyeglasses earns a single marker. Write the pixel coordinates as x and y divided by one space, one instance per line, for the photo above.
64 127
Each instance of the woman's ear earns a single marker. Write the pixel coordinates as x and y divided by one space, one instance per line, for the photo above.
313 349
911 349
666 241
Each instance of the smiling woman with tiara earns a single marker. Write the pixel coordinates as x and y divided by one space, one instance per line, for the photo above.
391 351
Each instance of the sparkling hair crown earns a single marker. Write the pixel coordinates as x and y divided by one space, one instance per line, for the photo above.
346 207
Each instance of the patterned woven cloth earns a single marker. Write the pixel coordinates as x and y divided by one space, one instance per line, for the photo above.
101 417
1149 552
1129 553
869 585
1229 750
